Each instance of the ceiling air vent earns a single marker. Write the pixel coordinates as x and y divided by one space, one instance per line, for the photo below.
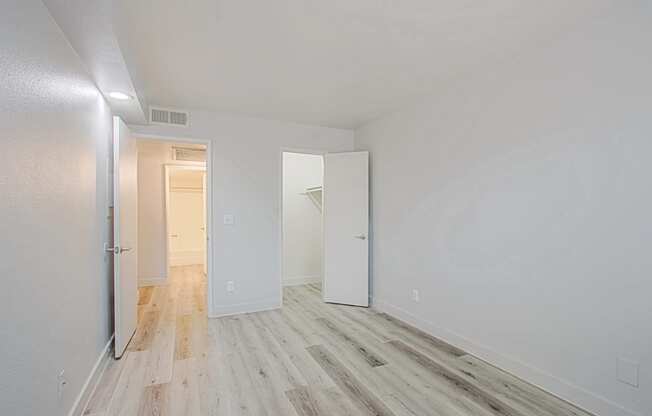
180 119
158 115
188 154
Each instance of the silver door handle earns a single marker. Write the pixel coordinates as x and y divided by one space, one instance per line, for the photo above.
174 235
117 249
361 236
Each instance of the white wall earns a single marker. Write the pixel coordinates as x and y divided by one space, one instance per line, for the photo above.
302 234
55 129
152 157
246 182
518 202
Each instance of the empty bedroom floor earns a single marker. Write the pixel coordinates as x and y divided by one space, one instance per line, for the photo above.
308 358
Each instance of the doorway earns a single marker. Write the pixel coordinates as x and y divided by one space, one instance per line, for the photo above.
325 226
185 207
174 224
302 181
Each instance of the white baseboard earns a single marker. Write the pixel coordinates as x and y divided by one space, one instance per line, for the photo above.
152 281
186 258
247 307
301 280
556 386
92 381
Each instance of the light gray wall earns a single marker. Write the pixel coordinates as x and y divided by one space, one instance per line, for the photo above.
55 130
518 203
246 183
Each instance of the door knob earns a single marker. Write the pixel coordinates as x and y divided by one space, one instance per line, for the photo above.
361 237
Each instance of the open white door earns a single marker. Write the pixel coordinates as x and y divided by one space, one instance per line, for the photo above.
346 228
125 217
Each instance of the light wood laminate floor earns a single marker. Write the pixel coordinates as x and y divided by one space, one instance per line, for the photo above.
309 358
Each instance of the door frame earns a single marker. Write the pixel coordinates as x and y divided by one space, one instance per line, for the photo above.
169 168
209 205
316 152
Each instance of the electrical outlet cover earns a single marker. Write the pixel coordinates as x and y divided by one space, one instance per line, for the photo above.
628 371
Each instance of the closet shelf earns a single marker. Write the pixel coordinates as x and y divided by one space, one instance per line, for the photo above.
315 195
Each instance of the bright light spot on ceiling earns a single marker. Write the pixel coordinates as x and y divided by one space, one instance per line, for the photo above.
117 95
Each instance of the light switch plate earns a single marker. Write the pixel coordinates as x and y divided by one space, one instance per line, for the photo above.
229 219
628 371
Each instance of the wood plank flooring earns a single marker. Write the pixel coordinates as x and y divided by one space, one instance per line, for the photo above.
306 359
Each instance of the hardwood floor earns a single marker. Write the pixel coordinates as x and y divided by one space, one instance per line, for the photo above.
307 359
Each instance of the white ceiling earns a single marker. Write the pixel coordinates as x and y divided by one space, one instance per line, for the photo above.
329 62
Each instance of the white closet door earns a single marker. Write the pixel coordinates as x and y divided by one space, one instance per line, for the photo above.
346 228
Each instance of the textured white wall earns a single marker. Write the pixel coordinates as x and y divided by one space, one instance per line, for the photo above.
302 235
246 183
55 130
518 202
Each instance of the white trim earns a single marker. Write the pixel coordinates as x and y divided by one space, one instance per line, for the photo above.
152 281
554 385
301 280
93 380
248 307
